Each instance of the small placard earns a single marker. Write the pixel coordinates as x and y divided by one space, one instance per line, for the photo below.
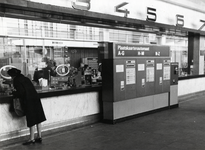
159 66
141 67
119 68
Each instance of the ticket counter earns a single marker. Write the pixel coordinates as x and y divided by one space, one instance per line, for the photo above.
64 109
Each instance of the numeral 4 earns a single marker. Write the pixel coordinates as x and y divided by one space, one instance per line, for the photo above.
125 11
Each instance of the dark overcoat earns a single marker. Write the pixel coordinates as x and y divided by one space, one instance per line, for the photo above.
31 102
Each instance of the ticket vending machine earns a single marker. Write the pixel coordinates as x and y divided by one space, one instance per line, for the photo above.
136 79
174 85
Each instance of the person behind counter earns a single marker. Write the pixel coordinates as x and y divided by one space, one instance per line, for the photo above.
31 103
44 73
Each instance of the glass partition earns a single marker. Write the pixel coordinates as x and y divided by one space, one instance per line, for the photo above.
60 56
179 52
50 64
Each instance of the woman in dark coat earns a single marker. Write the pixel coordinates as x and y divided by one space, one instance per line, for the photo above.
31 103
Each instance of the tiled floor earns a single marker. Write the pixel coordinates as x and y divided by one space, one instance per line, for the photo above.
180 128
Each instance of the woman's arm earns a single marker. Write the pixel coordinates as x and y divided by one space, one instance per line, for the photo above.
19 89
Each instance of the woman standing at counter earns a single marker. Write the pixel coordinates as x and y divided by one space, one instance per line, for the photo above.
31 103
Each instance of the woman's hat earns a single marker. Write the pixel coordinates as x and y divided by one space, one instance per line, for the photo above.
13 72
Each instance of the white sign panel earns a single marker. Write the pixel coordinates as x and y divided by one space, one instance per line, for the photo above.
166 73
119 68
141 67
130 76
159 66
150 74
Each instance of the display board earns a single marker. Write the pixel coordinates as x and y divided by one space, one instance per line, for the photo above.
140 70
136 78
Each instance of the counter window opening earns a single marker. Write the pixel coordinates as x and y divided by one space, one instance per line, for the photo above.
51 67
62 56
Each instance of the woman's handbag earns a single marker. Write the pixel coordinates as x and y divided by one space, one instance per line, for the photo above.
18 107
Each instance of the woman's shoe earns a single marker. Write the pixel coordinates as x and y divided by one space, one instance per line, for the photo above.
38 140
29 142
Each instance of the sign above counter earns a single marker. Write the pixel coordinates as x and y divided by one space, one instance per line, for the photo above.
130 50
159 11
